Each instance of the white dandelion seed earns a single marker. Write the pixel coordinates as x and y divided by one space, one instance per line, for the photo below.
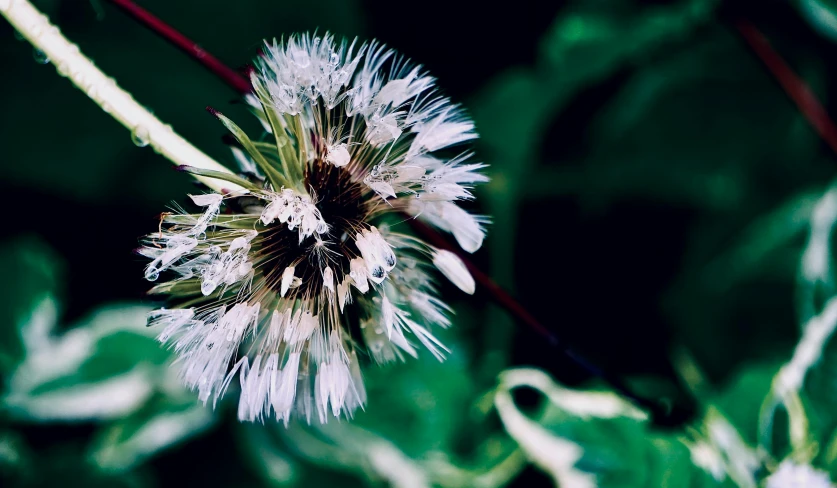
264 283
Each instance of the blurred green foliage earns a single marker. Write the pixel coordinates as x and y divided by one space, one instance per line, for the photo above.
652 194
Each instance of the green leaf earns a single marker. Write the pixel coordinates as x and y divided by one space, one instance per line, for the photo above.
741 400
819 395
592 39
264 453
160 424
34 270
15 456
106 366
419 405
822 14
593 439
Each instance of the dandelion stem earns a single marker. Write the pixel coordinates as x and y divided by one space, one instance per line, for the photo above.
663 415
70 62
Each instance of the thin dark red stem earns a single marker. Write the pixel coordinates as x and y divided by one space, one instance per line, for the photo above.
662 414
501 296
213 64
795 87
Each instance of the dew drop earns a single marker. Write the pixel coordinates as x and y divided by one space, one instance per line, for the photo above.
152 274
40 56
17 34
140 136
207 287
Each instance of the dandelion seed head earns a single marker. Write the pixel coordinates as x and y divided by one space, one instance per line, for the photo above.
283 285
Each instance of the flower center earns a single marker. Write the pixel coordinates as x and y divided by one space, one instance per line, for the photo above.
341 203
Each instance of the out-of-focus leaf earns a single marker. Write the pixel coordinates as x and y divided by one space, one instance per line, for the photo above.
591 39
33 269
664 114
262 451
594 439
588 41
822 14
723 452
513 111
772 231
71 400
496 462
65 465
15 456
409 405
349 447
819 396
106 366
157 425
741 400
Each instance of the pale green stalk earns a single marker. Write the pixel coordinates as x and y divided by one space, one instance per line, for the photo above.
146 129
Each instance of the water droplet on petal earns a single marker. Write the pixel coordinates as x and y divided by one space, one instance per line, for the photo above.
40 56
207 287
140 136
17 34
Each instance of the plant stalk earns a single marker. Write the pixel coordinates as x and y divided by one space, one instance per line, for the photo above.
146 129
